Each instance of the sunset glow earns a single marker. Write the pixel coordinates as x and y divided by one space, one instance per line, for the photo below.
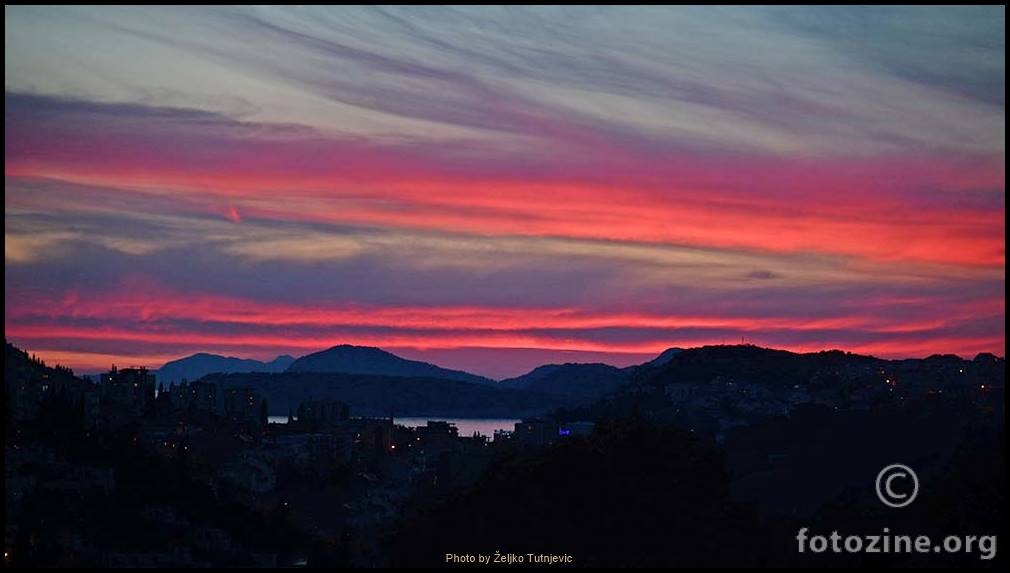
594 185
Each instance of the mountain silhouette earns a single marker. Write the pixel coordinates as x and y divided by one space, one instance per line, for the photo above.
376 395
202 363
580 382
348 359
713 387
664 357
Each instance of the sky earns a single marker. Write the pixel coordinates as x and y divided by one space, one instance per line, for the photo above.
495 188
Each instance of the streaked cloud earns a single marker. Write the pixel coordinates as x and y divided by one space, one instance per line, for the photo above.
600 182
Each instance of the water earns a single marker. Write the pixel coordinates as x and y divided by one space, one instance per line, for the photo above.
467 426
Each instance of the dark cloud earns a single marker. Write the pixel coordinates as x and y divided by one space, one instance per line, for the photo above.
763 275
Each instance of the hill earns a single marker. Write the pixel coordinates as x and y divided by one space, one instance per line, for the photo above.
347 359
202 363
370 395
580 383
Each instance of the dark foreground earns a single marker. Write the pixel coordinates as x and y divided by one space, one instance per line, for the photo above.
646 486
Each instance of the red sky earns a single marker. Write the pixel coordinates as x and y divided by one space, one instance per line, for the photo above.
502 198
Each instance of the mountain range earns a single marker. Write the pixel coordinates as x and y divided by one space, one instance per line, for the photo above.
377 395
201 364
376 382
578 382
347 359
368 360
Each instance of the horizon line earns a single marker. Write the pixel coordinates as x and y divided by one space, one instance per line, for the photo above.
82 372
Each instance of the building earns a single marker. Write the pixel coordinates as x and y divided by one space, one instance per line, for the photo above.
317 414
201 397
437 431
536 432
129 388
330 448
583 429
243 405
91 406
374 435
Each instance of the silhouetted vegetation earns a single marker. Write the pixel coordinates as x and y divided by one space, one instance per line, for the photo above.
631 495
728 484
637 495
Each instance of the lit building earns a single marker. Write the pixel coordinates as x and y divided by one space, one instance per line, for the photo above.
322 413
536 432
244 405
130 388
438 436
583 429
203 397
